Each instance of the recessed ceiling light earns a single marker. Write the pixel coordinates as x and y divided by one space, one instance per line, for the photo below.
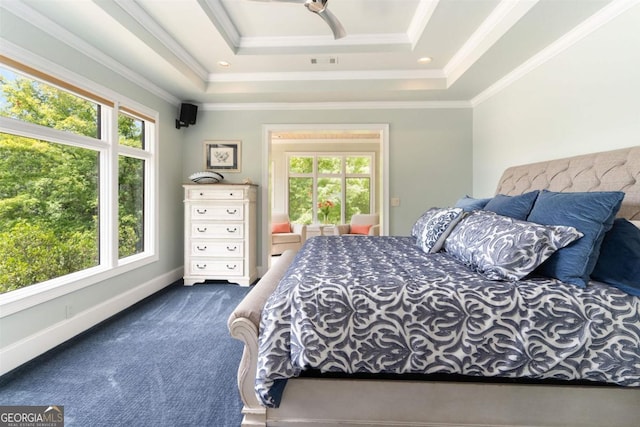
224 64
424 60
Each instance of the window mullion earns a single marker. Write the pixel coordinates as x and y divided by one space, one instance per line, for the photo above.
343 189
30 130
151 202
314 201
109 191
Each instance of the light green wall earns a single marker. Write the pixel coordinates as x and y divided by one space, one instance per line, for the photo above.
586 99
429 161
429 165
36 319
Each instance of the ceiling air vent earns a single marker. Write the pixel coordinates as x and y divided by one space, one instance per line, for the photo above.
329 60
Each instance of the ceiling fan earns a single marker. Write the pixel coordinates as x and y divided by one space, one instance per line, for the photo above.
319 7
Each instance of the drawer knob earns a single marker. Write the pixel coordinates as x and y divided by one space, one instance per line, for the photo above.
232 230
201 248
232 249
232 212
201 211
202 194
231 267
201 266
201 230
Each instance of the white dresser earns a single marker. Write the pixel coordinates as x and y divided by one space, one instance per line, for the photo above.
220 233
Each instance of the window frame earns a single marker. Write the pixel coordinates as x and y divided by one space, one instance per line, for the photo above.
343 175
108 149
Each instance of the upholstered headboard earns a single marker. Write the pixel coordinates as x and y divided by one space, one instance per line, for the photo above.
606 171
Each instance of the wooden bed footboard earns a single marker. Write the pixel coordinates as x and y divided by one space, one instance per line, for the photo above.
244 324
244 330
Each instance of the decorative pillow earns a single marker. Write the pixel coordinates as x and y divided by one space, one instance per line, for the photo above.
437 228
517 207
359 229
619 261
504 248
592 213
471 204
280 227
419 224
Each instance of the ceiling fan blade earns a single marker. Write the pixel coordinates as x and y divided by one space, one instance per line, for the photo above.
319 7
334 23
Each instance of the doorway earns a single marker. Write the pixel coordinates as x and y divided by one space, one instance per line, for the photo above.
314 135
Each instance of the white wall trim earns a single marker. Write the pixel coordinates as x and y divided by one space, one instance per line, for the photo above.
315 76
421 18
587 27
149 24
20 352
501 20
296 106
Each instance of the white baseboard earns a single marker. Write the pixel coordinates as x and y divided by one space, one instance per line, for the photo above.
34 345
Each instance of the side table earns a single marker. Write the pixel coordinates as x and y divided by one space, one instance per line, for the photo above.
314 230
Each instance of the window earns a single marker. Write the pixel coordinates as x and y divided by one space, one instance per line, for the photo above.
131 177
61 168
329 188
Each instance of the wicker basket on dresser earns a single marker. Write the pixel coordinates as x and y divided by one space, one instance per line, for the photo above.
220 233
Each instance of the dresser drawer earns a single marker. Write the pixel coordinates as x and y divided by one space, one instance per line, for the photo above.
217 212
216 230
219 233
215 194
207 267
206 248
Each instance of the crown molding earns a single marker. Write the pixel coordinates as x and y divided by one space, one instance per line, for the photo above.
421 18
321 44
240 45
296 106
326 76
28 14
591 24
32 60
219 17
152 27
501 20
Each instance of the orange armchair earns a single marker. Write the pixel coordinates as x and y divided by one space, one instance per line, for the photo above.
361 224
285 235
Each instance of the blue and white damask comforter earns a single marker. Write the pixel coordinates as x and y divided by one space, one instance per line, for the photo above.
381 305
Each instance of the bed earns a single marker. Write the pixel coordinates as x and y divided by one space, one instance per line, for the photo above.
577 377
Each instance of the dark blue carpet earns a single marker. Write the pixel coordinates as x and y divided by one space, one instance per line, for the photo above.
167 361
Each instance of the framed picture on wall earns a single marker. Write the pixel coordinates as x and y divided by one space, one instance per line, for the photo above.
222 155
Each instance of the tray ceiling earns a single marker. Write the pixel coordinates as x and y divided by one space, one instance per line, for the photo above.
279 52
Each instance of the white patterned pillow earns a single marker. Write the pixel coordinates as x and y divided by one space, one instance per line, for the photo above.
437 227
416 230
503 248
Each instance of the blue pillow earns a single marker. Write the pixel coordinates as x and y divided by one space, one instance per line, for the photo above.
591 213
516 207
469 204
619 262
